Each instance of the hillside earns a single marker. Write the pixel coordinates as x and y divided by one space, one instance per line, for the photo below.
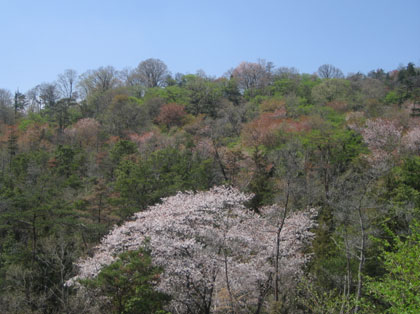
85 153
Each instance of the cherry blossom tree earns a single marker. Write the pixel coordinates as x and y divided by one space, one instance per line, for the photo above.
383 137
386 140
382 134
252 75
217 256
84 132
411 140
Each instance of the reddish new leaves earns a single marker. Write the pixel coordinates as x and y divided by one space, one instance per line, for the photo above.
265 129
171 115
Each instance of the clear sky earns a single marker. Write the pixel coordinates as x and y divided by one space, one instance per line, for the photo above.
41 38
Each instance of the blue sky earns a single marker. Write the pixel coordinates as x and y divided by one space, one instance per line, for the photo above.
40 39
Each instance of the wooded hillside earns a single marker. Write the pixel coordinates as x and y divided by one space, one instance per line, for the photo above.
86 152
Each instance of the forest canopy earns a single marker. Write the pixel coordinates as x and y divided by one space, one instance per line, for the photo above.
265 190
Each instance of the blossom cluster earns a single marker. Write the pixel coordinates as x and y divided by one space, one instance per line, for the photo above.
386 140
381 134
209 245
85 132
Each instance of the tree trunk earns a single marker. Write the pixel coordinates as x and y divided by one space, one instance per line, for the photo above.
279 229
361 259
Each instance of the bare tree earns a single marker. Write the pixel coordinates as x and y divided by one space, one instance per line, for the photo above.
328 71
34 100
356 209
286 72
6 104
5 97
252 75
101 79
127 77
150 73
66 83
49 95
289 165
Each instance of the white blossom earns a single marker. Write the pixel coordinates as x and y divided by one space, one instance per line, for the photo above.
411 140
209 245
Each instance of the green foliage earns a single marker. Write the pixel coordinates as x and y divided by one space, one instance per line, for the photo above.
318 300
402 183
399 288
170 94
129 283
392 98
261 184
12 146
204 96
328 262
300 110
402 193
64 160
331 116
122 148
163 173
411 173
35 260
58 112
30 120
43 279
333 149
56 196
20 102
307 83
231 91
74 114
331 90
284 86
125 114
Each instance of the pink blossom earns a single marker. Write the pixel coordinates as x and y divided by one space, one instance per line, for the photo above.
382 134
411 140
83 132
209 245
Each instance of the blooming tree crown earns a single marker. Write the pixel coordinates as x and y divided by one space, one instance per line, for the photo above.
209 245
